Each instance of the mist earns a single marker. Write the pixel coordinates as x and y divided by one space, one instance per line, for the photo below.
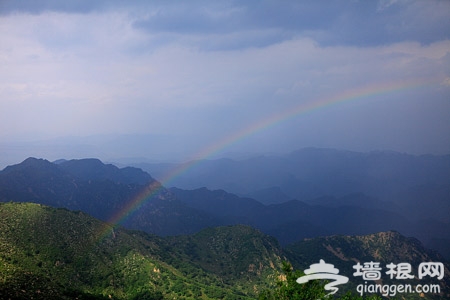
169 81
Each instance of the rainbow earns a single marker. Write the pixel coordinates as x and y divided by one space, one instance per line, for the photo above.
358 94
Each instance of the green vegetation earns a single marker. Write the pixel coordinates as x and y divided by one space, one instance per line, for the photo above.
239 254
49 253
384 247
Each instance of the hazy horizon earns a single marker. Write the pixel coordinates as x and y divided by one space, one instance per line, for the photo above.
108 149
169 80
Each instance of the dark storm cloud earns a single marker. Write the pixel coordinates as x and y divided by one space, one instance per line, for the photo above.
358 23
336 22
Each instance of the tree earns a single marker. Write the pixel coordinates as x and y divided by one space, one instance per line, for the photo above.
148 295
289 289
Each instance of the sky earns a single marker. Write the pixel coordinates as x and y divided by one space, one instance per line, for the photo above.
165 80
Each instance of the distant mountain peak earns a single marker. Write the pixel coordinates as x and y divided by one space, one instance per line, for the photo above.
95 169
33 161
30 162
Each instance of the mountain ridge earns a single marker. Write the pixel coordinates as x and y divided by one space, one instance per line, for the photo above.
308 173
50 253
107 194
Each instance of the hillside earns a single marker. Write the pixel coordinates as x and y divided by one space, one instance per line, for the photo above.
48 253
102 191
87 185
235 253
385 247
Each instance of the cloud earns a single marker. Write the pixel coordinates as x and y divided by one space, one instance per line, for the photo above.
209 69
336 22
43 6
358 23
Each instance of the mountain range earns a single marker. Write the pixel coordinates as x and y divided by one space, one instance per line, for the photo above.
103 190
50 253
57 243
400 180
416 188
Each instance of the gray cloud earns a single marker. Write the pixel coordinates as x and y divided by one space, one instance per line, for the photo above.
336 22
359 23
40 6
203 71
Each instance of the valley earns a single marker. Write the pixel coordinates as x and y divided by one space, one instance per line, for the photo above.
109 232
